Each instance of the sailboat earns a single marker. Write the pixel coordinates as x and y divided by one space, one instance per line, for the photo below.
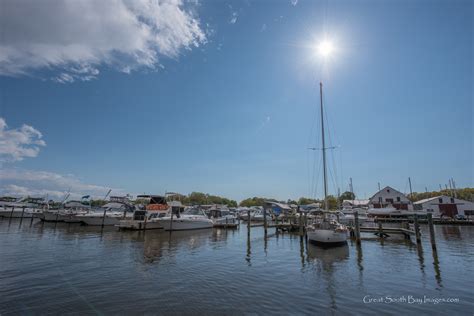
326 232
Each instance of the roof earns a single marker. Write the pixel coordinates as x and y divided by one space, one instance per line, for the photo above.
387 187
437 197
357 202
280 205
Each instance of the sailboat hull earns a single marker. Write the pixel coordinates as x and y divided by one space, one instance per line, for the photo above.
327 237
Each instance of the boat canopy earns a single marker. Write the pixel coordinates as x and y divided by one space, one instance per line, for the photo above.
154 199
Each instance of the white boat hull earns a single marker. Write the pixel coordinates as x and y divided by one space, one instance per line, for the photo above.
185 223
97 220
327 237
138 225
19 213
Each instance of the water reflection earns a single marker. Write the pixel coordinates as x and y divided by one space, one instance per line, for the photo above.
451 232
437 268
249 251
326 258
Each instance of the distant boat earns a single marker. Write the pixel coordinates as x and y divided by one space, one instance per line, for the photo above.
21 207
112 214
221 215
142 219
67 213
326 232
180 219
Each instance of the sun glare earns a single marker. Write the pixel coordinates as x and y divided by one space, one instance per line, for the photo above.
325 48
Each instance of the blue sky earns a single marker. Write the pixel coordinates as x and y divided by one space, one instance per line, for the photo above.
231 106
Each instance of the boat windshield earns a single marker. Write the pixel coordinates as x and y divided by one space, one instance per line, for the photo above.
193 211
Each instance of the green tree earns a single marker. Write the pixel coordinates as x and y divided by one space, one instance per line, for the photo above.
346 196
306 201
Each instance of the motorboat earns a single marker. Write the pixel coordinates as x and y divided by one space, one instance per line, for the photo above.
180 219
143 217
67 213
110 215
221 216
21 207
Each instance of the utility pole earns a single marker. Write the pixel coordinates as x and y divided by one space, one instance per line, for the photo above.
351 187
379 185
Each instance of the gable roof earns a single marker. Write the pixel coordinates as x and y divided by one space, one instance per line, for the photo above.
384 189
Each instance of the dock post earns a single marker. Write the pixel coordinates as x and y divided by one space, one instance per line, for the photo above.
265 221
356 227
171 221
11 213
417 230
22 213
276 224
380 229
432 234
300 221
248 220
103 217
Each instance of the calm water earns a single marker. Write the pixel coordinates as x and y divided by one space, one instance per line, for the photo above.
76 269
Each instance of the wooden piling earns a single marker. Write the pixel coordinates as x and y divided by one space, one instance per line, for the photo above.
265 221
432 234
248 220
417 230
381 235
171 221
356 227
103 216
11 213
300 222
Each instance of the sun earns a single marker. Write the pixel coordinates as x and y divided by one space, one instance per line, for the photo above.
325 48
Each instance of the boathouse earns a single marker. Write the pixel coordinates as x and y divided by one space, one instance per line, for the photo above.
445 206
387 197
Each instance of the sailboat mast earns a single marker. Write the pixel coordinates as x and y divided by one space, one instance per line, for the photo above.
324 149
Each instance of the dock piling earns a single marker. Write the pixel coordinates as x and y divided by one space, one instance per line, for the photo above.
300 222
432 234
265 221
417 230
356 227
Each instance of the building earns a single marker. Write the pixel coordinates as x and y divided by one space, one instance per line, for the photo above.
387 197
445 206
278 208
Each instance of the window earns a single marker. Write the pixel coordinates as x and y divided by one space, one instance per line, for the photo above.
452 200
440 200
398 199
388 190
380 199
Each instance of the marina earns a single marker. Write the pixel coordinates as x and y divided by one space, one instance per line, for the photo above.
93 270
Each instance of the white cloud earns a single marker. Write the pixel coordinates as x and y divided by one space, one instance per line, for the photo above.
16 144
294 2
234 17
73 38
20 182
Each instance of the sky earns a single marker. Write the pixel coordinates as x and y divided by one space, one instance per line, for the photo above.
222 97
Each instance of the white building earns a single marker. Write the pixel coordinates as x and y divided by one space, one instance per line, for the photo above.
387 197
443 205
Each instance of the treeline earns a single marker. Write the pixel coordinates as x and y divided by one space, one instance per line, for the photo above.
333 202
463 194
